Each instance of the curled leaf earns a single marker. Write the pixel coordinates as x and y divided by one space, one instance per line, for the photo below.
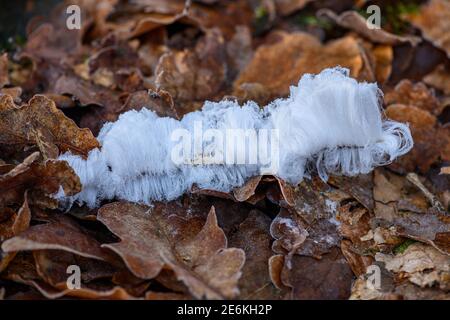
154 239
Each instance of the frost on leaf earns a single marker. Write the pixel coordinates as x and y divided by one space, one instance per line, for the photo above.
154 239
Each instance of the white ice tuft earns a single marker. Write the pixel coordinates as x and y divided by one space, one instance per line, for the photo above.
329 122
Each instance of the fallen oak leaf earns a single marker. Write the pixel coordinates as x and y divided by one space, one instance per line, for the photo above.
294 236
52 266
152 239
360 187
43 180
135 21
279 63
152 295
423 265
354 21
416 94
433 20
287 7
4 77
310 278
431 140
276 264
159 101
439 78
23 270
253 236
402 208
132 284
196 74
409 62
52 129
432 199
61 233
239 194
16 224
358 263
308 199
377 61
14 92
430 228
364 289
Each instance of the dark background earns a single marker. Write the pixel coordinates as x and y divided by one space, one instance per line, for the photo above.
14 16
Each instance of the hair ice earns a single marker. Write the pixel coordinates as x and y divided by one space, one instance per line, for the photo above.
329 121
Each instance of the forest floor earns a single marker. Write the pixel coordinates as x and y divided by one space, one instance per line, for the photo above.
384 235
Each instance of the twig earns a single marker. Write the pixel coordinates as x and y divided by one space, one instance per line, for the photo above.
435 203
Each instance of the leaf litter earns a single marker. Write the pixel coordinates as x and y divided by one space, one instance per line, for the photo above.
264 240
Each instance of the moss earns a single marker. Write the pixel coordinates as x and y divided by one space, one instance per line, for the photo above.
260 19
403 246
310 20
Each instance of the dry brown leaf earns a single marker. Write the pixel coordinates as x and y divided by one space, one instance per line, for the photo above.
225 17
40 123
354 21
144 16
387 190
327 278
355 224
133 23
239 51
254 238
14 225
23 270
61 233
152 239
360 187
415 94
4 77
363 289
132 284
151 295
197 74
276 264
14 92
294 236
281 62
433 229
415 62
357 262
383 56
423 265
405 211
51 265
43 180
287 7
439 79
431 140
309 199
246 192
159 101
85 92
433 20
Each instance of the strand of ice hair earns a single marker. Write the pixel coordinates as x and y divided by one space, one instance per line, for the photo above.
329 120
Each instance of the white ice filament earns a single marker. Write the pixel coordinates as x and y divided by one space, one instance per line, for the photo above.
329 122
